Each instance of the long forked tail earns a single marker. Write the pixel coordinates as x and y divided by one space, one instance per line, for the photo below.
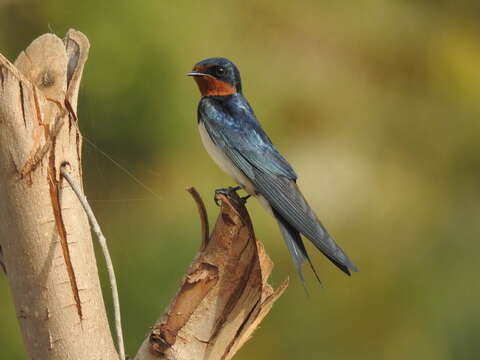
284 197
295 246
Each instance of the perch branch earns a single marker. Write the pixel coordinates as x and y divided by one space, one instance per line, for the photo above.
224 296
106 254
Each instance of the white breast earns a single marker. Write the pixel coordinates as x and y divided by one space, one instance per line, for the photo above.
223 161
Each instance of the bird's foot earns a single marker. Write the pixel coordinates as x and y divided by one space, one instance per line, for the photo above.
245 198
225 191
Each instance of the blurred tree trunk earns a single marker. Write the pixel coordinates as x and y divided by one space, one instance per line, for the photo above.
46 246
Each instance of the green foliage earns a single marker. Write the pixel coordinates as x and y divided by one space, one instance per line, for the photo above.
375 103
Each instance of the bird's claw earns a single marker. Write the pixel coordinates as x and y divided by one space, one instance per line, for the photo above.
224 191
245 198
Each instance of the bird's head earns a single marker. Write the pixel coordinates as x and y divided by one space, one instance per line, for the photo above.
217 77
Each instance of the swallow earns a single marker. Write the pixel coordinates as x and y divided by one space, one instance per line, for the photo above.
234 138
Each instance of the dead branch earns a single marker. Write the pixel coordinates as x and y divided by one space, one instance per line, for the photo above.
202 212
106 254
223 297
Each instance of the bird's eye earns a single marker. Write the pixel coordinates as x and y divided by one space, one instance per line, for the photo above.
220 70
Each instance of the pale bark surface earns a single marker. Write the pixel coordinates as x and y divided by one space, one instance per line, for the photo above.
44 233
222 299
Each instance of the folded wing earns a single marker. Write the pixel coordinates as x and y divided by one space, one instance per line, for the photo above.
249 148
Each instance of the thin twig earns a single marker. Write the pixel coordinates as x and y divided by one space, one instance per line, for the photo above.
103 245
203 216
2 264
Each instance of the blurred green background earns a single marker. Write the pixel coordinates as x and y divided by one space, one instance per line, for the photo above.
376 105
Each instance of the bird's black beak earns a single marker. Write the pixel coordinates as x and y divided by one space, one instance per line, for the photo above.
197 73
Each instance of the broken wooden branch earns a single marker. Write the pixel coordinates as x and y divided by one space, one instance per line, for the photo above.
223 297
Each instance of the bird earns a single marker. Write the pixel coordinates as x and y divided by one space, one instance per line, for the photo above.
234 138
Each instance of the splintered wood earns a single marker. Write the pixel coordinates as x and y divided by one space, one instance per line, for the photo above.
223 297
44 233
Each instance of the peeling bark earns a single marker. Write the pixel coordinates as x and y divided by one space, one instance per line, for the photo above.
223 297
44 233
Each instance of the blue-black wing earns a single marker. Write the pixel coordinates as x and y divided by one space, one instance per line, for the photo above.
249 148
